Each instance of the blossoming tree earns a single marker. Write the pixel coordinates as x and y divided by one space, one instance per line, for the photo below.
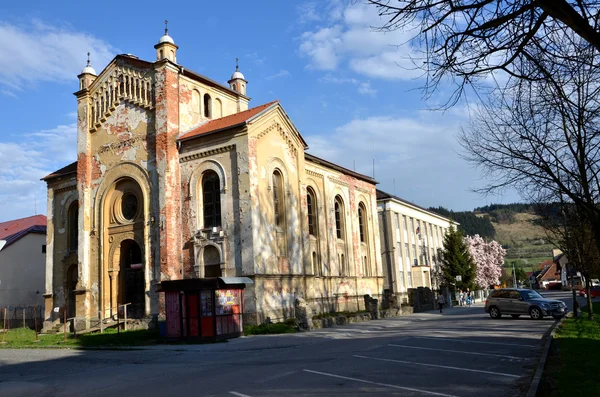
488 258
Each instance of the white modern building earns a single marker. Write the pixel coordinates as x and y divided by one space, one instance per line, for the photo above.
411 242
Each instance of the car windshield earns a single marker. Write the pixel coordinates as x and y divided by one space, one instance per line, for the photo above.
530 295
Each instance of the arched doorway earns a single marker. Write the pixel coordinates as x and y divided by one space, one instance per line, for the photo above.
131 270
124 270
212 261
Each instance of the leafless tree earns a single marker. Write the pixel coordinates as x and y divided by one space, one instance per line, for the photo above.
542 137
569 229
466 40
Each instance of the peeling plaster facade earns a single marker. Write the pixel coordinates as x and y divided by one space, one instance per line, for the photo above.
137 201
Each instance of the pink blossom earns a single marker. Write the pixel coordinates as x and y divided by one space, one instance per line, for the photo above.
488 258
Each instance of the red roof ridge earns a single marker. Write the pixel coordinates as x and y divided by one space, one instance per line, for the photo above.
9 228
227 121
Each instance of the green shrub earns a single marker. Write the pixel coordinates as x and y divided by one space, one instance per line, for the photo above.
286 327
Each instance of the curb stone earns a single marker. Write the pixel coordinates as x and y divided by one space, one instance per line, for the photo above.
535 382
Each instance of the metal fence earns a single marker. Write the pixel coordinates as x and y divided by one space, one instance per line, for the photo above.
22 317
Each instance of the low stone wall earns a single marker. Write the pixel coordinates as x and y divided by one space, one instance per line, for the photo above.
329 322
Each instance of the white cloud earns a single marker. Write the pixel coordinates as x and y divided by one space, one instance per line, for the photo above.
281 73
27 160
351 40
39 52
363 87
415 157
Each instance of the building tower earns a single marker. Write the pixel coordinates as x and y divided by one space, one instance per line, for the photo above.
238 81
87 75
166 47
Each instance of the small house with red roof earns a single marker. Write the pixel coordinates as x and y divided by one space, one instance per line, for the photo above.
23 262
177 177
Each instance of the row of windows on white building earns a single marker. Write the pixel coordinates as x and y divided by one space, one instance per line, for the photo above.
417 244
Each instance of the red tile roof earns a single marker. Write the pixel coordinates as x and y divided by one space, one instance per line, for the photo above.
226 122
11 228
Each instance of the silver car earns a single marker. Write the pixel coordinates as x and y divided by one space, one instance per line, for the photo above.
517 302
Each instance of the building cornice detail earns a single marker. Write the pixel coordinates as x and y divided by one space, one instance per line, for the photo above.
286 137
206 153
313 173
338 181
65 189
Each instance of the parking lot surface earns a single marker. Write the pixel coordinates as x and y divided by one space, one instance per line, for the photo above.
461 352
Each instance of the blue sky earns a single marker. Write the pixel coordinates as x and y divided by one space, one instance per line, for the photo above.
351 92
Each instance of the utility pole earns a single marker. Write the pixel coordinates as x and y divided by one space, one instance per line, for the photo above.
514 276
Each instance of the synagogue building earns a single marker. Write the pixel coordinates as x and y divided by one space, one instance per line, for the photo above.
178 177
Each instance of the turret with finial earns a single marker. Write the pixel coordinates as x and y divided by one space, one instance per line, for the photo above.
166 47
87 75
238 81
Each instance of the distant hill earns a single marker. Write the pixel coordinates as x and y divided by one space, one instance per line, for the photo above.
514 226
469 223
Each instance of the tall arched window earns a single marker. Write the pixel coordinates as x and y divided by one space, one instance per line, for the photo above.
196 106
339 218
73 225
362 223
278 203
311 202
207 106
211 199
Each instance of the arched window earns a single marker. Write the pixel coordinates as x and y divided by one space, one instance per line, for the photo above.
211 199
278 204
218 111
362 223
73 225
339 218
196 106
311 202
207 106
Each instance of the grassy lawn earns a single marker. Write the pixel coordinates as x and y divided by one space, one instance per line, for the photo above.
25 338
572 366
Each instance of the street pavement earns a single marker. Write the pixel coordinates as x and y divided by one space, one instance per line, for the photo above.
461 352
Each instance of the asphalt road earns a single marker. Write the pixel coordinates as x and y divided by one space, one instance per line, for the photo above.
461 352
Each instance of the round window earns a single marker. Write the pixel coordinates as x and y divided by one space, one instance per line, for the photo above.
129 206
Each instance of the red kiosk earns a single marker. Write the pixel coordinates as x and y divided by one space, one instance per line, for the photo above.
204 308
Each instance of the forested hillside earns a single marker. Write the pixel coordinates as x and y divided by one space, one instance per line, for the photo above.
470 223
514 226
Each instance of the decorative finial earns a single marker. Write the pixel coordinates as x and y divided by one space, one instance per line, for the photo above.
167 27
88 63
236 63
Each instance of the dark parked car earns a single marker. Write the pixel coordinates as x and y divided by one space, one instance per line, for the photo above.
517 302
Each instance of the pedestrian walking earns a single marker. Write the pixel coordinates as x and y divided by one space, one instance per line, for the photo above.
461 298
440 301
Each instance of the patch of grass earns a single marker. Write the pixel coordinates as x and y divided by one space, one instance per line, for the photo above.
287 327
25 338
572 366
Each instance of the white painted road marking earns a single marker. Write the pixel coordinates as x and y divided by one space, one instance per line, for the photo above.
473 341
438 366
277 376
458 351
238 394
431 393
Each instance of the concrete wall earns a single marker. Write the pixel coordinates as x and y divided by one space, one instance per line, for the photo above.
22 272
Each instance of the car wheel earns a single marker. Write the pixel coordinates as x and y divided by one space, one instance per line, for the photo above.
495 312
536 313
515 315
